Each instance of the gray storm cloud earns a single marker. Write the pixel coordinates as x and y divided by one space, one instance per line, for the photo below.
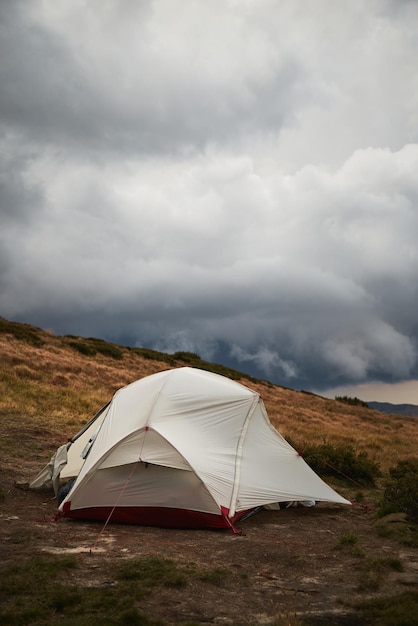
234 181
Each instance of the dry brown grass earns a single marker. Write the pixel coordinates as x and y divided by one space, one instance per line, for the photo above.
55 387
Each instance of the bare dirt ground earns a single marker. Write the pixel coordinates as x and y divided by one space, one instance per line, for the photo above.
287 567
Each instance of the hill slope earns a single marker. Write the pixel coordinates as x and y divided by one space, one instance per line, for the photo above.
308 566
57 383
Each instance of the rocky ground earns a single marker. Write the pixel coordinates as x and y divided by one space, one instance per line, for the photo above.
292 566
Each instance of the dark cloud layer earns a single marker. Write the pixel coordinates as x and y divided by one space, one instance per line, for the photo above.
239 182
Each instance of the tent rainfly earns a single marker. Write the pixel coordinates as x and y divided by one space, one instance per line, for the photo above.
183 448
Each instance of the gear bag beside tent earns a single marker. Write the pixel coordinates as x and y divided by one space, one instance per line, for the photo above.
180 448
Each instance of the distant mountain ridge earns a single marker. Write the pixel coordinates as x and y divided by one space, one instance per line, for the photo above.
407 410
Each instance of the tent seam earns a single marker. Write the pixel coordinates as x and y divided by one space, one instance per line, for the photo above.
240 446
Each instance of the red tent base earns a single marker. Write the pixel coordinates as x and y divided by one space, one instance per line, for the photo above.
154 516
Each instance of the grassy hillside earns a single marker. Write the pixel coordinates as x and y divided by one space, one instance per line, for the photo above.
50 386
308 566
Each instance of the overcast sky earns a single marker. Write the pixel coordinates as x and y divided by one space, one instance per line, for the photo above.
232 178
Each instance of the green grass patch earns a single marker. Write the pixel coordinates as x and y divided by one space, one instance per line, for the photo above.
342 462
22 332
216 576
372 572
406 533
92 346
18 580
82 348
401 490
153 571
348 540
157 570
191 359
104 347
400 610
388 563
351 401
350 544
154 355
40 590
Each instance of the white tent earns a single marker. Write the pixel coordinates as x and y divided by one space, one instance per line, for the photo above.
183 448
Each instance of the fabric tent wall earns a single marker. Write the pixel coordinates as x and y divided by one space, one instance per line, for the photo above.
205 437
74 454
